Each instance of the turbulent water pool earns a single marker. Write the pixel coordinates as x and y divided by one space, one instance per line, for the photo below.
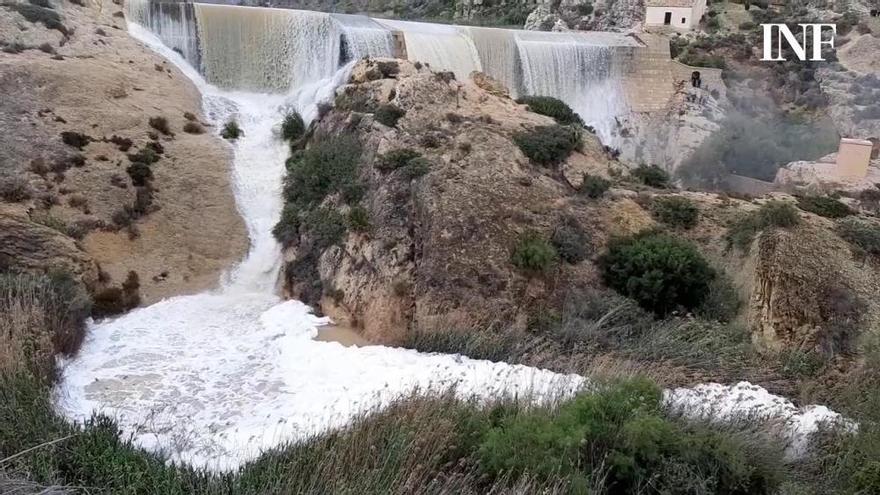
215 378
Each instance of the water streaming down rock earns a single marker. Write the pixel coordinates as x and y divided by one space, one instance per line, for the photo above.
173 22
440 46
262 49
363 37
569 67
499 56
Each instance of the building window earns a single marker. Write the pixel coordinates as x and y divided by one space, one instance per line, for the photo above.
684 20
667 19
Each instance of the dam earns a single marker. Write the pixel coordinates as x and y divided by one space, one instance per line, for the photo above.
601 75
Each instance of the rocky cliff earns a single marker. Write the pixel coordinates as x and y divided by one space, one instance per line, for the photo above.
438 249
94 146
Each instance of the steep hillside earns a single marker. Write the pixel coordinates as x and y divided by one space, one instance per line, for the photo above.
102 142
447 204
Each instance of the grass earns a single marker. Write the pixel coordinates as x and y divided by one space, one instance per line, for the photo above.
15 189
772 214
862 234
40 315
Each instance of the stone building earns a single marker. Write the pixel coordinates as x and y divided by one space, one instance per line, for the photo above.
675 14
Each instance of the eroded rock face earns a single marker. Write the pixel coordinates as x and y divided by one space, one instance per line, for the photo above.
439 251
809 294
28 246
93 82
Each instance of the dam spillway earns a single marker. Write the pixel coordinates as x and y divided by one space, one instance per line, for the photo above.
278 50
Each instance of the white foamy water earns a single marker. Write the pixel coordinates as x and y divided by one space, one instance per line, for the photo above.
214 379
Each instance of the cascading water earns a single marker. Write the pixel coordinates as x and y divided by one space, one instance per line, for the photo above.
582 74
363 37
440 46
214 379
498 55
172 22
261 49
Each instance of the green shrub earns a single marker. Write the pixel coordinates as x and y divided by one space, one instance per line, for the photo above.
651 175
161 125
778 214
293 127
771 214
548 145
140 173
328 166
231 131
359 219
660 272
863 234
594 186
676 211
325 226
146 155
287 228
396 159
824 206
617 440
533 253
551 107
416 168
389 115
571 241
115 300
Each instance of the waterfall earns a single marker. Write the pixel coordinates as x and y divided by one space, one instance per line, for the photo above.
262 49
363 37
217 378
441 47
498 55
582 74
173 22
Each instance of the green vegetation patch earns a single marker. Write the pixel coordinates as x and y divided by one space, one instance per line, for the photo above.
293 128
651 175
231 131
824 206
675 211
548 145
534 253
661 272
771 214
388 114
862 234
594 186
551 107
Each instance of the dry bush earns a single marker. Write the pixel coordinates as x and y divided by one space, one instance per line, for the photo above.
40 316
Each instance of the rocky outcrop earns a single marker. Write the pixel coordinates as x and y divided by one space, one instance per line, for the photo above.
809 293
439 249
84 94
621 15
28 246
